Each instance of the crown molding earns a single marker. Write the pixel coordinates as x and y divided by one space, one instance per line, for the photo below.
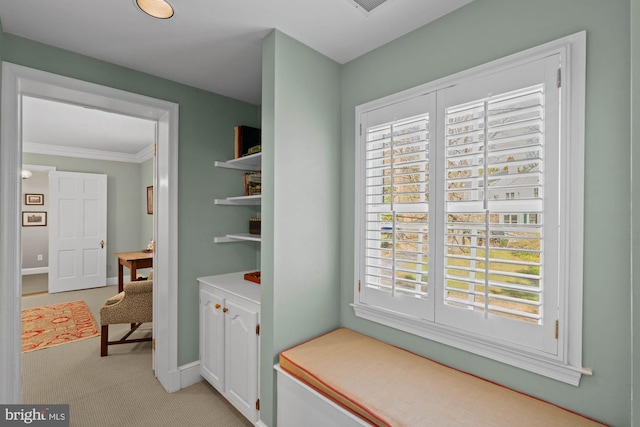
85 153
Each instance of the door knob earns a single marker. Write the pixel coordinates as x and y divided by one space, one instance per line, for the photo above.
102 244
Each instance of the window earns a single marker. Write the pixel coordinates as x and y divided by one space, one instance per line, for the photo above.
463 212
510 219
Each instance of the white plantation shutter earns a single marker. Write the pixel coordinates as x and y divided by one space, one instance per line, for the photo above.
457 206
396 206
493 278
501 274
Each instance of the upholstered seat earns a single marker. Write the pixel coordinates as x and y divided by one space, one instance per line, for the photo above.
134 305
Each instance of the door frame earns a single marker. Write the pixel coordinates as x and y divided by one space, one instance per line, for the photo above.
18 80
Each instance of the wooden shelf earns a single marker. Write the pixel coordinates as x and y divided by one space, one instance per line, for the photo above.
240 200
252 162
238 237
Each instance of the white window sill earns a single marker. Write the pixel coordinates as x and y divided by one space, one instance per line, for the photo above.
521 358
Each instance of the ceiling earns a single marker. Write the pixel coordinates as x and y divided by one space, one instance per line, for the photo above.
214 45
51 127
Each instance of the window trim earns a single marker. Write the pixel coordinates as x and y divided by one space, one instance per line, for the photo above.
568 366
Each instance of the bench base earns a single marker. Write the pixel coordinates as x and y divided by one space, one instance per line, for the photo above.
300 405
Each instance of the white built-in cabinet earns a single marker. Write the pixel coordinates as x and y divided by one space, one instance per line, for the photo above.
229 339
251 162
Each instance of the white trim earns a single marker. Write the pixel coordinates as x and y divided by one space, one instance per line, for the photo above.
35 270
457 338
144 154
87 153
165 258
190 374
39 168
19 80
260 423
567 367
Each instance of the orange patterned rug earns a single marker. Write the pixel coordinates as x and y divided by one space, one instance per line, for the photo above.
56 324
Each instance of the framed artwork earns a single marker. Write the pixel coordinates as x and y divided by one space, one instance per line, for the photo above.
34 199
34 219
150 200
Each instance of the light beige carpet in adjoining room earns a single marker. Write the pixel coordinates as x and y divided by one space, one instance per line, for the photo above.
120 389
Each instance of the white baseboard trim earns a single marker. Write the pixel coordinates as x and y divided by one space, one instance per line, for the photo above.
189 374
38 270
112 280
261 424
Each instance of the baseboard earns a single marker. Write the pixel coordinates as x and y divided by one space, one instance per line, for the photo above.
189 374
261 424
36 270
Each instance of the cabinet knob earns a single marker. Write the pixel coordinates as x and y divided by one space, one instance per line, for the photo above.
217 306
224 310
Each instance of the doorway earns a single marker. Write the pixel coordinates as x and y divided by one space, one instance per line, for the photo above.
18 81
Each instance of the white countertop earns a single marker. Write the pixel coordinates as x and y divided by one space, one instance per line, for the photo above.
235 284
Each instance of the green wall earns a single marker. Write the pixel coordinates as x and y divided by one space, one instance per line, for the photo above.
480 32
206 124
126 222
300 212
635 204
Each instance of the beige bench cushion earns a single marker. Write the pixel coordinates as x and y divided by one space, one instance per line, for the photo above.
388 386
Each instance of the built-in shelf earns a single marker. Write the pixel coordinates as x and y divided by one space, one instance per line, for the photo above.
238 237
251 162
240 200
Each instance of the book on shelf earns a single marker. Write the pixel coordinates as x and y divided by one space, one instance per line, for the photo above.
255 225
252 183
247 140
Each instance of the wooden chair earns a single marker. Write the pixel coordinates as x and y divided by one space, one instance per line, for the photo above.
134 305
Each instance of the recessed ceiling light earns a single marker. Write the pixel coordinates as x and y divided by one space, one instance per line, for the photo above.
157 8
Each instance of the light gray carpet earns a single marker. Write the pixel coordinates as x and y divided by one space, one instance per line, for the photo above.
116 390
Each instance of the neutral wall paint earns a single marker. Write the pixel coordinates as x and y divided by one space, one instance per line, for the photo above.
206 134
35 240
478 33
300 293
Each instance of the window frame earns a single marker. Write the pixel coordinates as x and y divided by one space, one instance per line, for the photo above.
567 367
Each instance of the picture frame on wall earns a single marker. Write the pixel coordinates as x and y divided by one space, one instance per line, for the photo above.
34 219
34 199
150 200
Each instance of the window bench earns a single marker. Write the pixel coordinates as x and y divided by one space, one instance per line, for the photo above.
349 379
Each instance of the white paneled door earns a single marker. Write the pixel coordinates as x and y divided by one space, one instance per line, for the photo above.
77 231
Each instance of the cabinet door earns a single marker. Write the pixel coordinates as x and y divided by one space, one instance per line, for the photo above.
212 338
241 353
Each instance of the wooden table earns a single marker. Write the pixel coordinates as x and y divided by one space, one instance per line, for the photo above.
132 260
